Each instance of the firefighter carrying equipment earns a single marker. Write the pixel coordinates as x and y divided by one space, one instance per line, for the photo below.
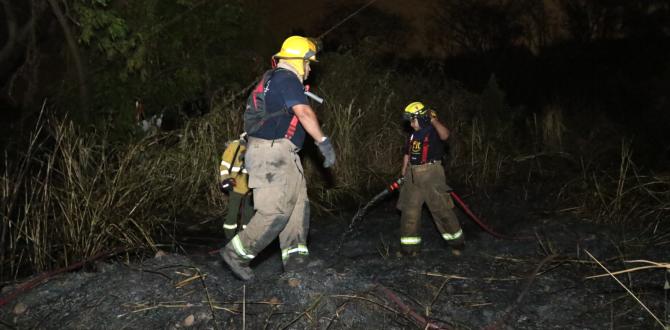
233 180
255 114
281 203
231 169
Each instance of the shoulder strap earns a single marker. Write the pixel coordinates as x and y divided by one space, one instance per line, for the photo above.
267 76
424 149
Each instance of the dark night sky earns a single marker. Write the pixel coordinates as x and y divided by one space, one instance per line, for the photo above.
306 15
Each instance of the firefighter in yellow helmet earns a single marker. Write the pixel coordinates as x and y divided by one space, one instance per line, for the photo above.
275 169
233 180
425 182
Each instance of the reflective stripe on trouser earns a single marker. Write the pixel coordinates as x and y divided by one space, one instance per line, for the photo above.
427 183
232 227
451 237
239 248
410 240
280 196
300 249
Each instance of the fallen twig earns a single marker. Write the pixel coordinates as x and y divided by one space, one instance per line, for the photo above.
305 312
627 290
422 321
48 275
367 300
523 293
209 298
185 282
447 276
437 294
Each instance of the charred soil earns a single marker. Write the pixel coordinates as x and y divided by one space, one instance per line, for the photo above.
356 279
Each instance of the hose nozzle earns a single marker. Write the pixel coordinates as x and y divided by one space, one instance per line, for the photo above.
396 184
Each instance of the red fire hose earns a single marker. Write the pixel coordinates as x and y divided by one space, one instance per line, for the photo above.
481 223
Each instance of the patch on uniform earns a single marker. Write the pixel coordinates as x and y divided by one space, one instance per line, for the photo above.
416 146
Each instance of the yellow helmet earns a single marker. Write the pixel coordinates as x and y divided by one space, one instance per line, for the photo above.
297 48
415 109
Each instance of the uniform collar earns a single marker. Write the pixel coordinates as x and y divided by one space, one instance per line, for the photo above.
284 65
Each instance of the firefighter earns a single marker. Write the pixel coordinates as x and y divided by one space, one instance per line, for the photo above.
275 170
233 180
425 182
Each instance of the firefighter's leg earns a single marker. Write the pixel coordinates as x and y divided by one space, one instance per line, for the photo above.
230 223
270 218
442 209
410 203
268 167
247 209
293 239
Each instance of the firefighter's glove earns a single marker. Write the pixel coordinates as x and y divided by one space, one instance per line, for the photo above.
227 185
326 149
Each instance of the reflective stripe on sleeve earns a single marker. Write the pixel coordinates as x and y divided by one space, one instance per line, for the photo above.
450 237
301 248
235 169
410 240
227 226
239 249
224 172
225 163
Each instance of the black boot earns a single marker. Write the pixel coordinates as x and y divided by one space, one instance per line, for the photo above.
296 263
458 247
238 266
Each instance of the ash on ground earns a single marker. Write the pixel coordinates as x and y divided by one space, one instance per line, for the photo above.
538 283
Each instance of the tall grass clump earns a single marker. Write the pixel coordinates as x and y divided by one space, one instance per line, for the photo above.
69 197
74 193
621 195
363 115
483 139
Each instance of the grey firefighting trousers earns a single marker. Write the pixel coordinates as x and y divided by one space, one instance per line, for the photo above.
426 183
280 200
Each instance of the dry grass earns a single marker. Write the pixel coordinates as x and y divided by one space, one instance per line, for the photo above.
622 196
72 199
553 128
72 194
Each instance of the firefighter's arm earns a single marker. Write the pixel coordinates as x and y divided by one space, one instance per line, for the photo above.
442 131
405 162
309 121
226 182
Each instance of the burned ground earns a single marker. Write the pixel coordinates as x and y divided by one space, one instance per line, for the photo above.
537 283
